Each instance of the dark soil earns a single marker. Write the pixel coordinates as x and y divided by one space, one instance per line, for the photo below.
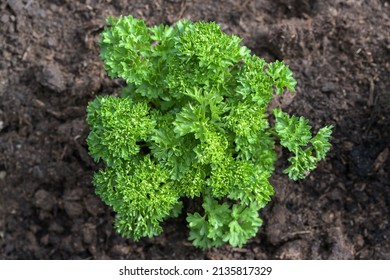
49 70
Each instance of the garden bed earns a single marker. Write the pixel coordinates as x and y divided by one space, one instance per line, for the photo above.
339 52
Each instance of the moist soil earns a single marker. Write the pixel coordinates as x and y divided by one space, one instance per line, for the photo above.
339 52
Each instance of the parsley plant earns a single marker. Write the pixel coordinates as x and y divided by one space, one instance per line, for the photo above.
192 122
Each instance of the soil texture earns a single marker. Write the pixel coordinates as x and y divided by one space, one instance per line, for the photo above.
339 51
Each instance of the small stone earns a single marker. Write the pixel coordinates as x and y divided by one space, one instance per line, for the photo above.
77 244
41 13
328 87
52 42
2 174
92 249
44 200
53 78
74 194
16 6
37 172
94 206
293 250
359 240
53 7
120 249
73 209
5 19
89 233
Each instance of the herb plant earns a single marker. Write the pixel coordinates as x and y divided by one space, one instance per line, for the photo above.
192 122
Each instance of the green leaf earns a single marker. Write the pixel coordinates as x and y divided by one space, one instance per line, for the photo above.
198 231
321 142
218 214
251 184
117 125
123 49
254 84
191 119
141 194
282 76
295 135
244 225
294 132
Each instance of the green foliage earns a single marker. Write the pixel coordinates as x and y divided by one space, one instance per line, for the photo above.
295 135
222 223
192 122
118 125
141 194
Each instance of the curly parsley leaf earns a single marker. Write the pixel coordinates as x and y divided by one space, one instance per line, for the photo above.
192 122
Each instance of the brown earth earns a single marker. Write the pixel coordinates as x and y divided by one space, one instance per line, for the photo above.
49 70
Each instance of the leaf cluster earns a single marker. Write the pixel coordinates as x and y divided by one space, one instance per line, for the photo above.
192 122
